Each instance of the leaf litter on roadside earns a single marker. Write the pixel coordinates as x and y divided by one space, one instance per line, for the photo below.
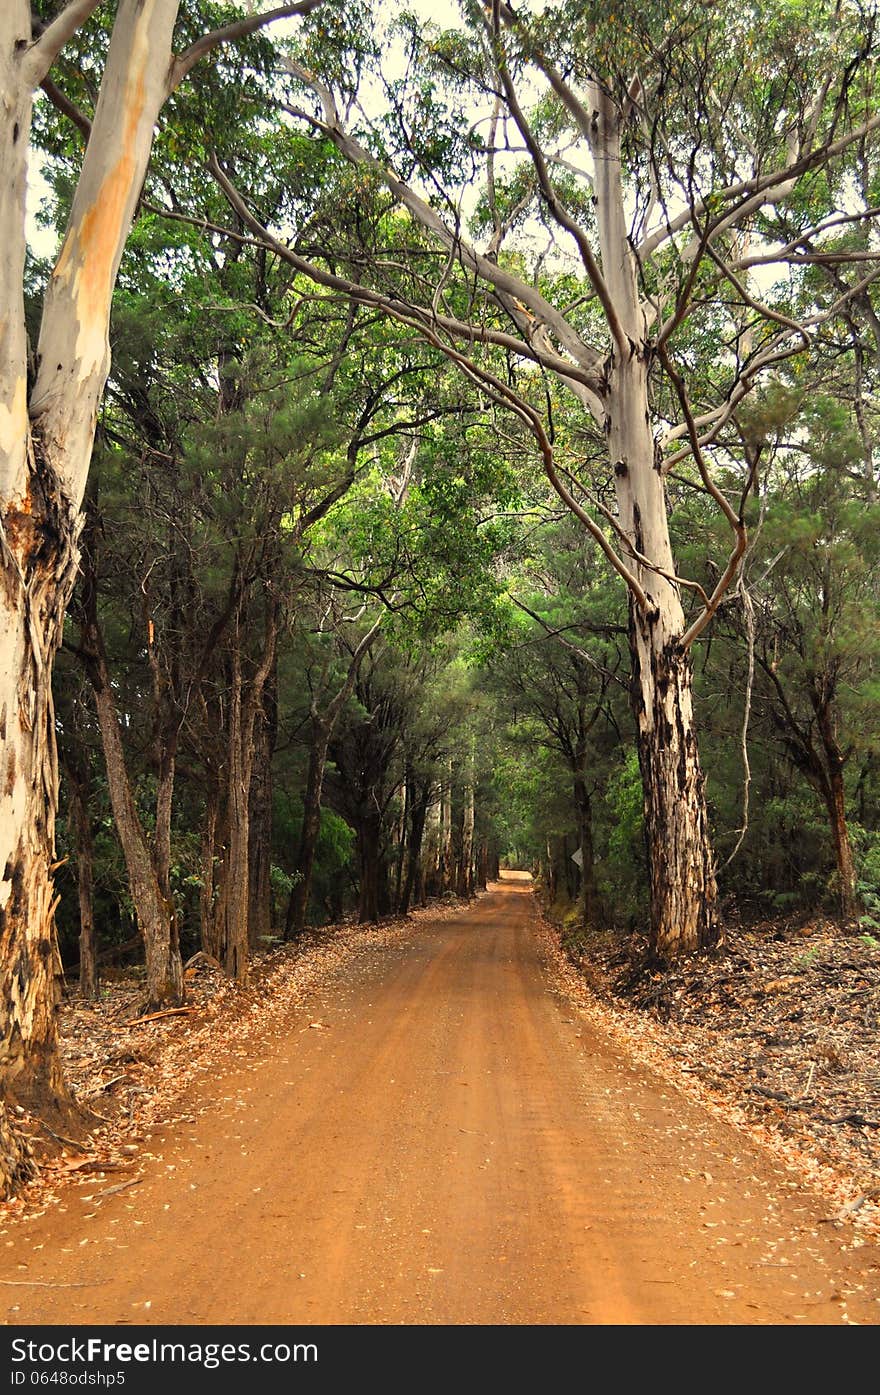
778 1031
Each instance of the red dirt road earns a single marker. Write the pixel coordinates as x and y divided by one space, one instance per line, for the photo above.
454 1145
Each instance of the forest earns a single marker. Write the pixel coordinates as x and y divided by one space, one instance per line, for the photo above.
432 440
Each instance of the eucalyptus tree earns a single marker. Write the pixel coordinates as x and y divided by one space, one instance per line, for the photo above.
584 199
49 401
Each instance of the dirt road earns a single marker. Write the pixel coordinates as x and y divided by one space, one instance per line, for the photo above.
453 1145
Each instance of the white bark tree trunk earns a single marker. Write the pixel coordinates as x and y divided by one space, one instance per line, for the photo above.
683 891
45 449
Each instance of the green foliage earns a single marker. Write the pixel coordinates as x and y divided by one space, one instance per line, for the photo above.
866 844
243 400
624 869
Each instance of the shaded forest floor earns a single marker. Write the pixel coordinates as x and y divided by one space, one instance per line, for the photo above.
778 1031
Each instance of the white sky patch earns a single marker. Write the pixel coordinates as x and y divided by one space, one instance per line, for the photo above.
43 241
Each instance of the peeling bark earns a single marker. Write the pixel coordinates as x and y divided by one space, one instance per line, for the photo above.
37 569
684 915
16 1159
45 449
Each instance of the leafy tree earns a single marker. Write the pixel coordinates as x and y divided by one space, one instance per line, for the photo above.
815 604
666 154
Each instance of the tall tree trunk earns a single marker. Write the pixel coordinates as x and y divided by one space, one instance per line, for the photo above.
323 727
154 912
588 897
834 794
164 808
80 819
245 706
38 561
78 778
297 909
45 449
233 903
411 884
550 875
383 881
431 863
570 870
466 859
403 825
446 868
684 914
260 891
207 916
847 881
369 857
482 874
153 906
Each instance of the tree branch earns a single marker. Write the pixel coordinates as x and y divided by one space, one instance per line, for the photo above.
240 29
43 52
513 291
492 386
737 523
555 204
67 108
365 295
761 185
